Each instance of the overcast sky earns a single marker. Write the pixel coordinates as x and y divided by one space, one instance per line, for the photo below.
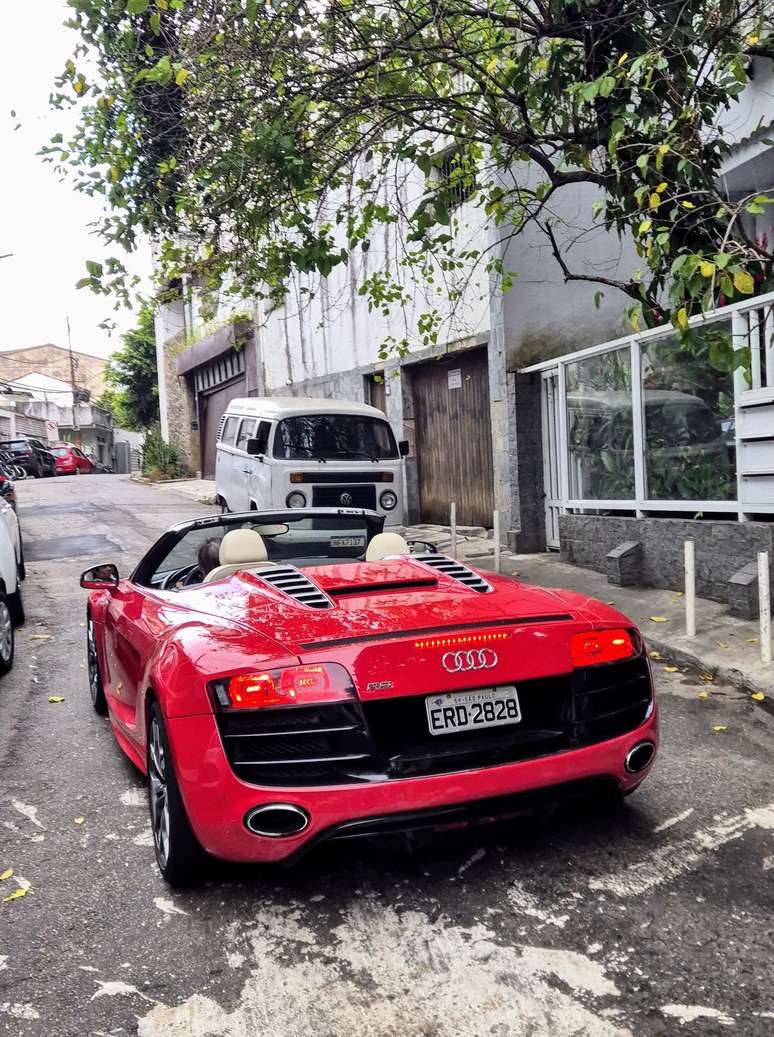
43 222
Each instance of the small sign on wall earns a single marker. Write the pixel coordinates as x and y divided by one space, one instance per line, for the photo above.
455 378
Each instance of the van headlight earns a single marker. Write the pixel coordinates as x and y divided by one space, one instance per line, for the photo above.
388 500
296 499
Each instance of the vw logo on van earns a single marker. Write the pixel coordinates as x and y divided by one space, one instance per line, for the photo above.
475 659
345 499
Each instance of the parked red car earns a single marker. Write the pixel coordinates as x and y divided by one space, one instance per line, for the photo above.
324 683
70 460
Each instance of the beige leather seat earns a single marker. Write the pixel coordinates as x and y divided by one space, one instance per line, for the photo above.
239 549
384 545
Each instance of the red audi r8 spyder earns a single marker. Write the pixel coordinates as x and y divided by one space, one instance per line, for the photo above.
290 677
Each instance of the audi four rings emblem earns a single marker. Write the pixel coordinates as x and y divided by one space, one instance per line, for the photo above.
471 659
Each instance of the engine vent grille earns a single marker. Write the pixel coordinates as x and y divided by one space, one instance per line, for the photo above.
457 571
295 584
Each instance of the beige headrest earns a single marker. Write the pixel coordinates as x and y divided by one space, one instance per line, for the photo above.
385 544
242 545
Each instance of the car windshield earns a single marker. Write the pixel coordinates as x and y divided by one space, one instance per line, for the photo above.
14 444
334 436
60 451
308 540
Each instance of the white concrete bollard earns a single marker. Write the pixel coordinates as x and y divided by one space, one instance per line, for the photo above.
764 606
453 527
496 537
690 589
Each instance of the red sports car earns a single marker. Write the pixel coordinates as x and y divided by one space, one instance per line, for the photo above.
291 677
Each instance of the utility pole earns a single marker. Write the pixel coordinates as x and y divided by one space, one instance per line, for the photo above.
73 362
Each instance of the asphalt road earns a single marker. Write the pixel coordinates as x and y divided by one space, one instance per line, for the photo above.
655 918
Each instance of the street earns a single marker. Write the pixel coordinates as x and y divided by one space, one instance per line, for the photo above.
656 917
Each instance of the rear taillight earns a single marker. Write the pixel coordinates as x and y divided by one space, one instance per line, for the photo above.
291 686
602 646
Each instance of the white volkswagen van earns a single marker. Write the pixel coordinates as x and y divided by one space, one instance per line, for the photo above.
288 452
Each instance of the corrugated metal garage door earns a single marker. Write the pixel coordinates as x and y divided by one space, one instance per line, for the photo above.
35 427
454 438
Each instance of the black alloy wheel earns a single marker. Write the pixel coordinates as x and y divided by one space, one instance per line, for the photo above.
96 690
179 855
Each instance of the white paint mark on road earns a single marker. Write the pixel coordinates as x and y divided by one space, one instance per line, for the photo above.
88 968
168 906
667 863
671 821
379 968
18 1011
117 988
525 903
478 855
690 1013
3 962
134 798
31 813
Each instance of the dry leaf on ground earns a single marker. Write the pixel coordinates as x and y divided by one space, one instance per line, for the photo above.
758 696
670 669
16 895
703 695
659 619
56 698
6 874
720 727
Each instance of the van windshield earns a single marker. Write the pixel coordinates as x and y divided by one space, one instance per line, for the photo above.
326 436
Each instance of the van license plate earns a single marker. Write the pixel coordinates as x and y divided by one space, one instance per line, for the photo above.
470 710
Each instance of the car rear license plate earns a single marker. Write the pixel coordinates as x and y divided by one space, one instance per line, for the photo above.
457 711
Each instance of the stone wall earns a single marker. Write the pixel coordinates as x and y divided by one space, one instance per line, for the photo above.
529 504
722 548
180 406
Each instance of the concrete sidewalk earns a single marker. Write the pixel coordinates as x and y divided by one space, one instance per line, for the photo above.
725 648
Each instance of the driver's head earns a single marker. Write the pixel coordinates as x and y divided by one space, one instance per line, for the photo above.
209 555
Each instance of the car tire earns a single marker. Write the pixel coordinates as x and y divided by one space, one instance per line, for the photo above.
16 606
179 855
7 640
224 508
96 688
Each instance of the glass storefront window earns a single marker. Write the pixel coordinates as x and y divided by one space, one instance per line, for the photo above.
599 427
688 400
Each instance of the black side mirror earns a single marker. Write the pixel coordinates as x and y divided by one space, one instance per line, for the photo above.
403 447
253 447
101 577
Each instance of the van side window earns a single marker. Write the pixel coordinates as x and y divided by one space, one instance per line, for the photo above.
262 436
246 431
229 431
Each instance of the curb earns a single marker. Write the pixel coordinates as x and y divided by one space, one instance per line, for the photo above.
729 674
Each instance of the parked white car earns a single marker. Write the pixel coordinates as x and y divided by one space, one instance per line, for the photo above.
11 576
295 453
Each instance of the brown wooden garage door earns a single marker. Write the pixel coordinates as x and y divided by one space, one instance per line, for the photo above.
212 406
454 438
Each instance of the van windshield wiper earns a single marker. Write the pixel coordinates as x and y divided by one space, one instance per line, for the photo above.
355 453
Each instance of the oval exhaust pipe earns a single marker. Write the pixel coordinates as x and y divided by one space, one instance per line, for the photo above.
277 820
639 756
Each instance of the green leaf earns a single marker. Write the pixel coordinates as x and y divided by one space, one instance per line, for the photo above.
95 269
598 297
606 86
137 6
